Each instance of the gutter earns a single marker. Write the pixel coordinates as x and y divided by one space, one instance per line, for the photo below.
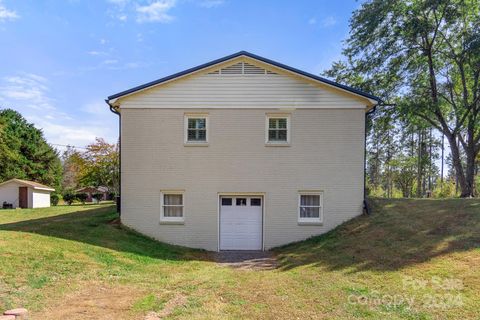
112 109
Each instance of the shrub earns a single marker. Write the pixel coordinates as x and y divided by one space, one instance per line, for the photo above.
54 198
68 197
98 196
82 197
445 190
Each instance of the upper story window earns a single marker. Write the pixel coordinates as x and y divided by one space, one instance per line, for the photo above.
278 129
310 207
196 129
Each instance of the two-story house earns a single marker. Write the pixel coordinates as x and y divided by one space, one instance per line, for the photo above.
241 153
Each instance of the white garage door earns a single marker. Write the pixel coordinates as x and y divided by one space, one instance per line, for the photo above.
241 223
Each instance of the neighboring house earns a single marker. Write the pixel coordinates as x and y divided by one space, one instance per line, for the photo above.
24 194
241 153
91 191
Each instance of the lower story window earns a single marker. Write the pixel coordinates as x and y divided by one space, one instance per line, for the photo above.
310 207
172 206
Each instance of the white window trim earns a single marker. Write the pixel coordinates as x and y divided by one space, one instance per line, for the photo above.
318 220
267 127
185 129
162 205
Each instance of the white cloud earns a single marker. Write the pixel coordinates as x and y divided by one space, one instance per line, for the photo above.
211 3
29 90
110 61
155 12
148 10
29 94
97 53
328 22
312 21
6 14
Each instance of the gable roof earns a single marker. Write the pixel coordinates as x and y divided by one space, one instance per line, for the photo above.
31 184
252 56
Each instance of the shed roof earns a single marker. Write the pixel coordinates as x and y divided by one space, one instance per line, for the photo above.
31 184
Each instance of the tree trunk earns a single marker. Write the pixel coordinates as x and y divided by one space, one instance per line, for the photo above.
469 191
457 164
419 169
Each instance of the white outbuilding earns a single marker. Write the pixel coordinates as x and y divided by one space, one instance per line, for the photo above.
24 194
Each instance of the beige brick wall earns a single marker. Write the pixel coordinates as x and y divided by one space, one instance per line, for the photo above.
326 153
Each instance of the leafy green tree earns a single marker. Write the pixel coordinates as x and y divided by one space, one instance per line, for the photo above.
24 152
427 51
101 161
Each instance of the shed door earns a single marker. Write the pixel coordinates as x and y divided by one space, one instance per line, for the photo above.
241 223
23 197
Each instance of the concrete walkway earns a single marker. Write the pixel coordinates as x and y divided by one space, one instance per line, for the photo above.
247 260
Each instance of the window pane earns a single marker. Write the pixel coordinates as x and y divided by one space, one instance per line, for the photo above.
196 123
255 202
282 135
173 199
310 200
309 212
197 135
226 201
277 123
173 212
272 123
277 135
241 202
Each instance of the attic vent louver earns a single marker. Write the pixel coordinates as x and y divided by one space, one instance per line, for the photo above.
242 68
251 69
233 69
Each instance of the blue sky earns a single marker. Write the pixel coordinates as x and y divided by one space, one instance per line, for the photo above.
61 59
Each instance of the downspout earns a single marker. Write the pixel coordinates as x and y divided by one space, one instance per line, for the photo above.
118 198
366 208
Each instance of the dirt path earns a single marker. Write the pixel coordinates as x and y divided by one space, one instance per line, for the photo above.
247 260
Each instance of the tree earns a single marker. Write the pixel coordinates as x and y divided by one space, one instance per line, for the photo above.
101 161
73 168
427 51
24 152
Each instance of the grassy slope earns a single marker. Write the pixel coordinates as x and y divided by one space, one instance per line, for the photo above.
47 254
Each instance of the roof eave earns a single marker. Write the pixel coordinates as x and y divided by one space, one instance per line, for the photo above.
45 189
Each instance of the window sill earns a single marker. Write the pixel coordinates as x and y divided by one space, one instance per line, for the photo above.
195 144
310 223
277 144
172 222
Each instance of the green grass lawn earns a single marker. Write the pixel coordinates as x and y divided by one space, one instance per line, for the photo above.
412 259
